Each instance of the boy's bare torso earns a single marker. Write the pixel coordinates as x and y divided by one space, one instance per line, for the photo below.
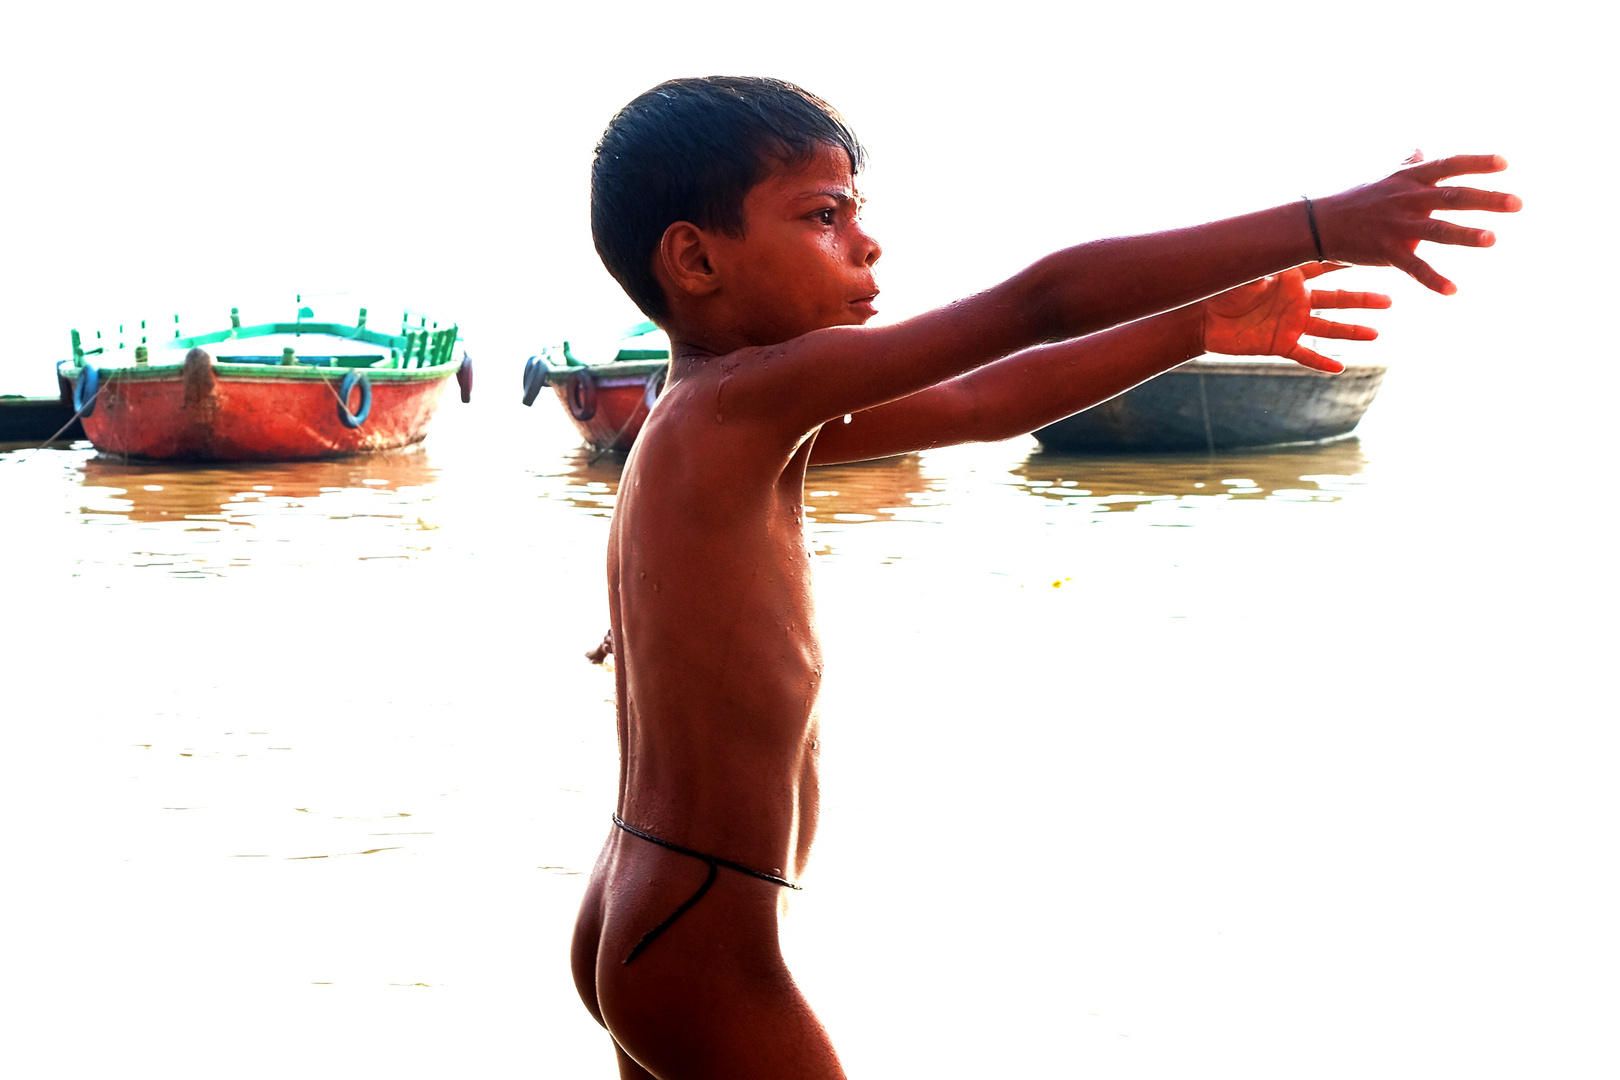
718 665
718 670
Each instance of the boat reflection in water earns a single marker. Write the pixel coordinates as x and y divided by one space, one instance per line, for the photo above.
235 495
215 521
922 487
856 492
1315 473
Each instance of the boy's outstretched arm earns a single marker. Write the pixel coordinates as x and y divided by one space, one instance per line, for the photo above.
1035 387
1081 290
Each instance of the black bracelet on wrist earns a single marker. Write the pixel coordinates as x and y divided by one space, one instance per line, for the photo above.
1316 237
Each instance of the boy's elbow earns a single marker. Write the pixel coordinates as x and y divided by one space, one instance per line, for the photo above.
1046 302
969 417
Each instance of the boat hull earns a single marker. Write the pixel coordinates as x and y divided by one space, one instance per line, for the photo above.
244 412
609 415
35 419
1221 405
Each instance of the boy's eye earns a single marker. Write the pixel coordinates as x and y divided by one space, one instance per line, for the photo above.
827 216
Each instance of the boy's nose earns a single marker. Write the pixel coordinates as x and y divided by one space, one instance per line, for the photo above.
872 250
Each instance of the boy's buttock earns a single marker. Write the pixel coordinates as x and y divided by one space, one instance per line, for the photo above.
677 951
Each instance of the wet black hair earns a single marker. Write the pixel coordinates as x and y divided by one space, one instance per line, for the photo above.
691 150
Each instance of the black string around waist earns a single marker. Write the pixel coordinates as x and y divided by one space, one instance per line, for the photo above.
714 863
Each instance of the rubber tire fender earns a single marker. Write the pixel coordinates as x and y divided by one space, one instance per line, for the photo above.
655 387
534 379
582 395
354 419
85 389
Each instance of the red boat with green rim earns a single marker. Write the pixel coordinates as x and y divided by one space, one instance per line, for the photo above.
608 402
278 391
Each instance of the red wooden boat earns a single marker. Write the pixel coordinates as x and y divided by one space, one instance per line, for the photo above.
272 392
608 402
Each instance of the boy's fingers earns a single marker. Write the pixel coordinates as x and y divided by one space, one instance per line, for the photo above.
1423 274
1457 165
1444 232
1467 198
1340 298
1314 360
1342 331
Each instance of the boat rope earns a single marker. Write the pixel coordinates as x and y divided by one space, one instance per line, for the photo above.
1203 402
634 415
343 405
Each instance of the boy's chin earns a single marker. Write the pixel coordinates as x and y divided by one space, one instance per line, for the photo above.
856 315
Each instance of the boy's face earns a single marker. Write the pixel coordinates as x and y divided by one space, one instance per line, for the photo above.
804 261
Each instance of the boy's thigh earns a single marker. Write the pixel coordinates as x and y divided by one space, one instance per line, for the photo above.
711 997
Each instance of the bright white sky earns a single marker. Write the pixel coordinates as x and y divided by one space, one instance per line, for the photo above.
182 157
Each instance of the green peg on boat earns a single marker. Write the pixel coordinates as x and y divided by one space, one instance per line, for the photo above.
177 326
362 323
78 349
140 354
236 319
288 357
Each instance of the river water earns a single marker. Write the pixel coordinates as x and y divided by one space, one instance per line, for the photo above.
1301 759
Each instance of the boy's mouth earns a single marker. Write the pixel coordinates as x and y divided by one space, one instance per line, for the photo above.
868 303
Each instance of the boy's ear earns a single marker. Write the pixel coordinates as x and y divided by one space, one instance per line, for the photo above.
683 257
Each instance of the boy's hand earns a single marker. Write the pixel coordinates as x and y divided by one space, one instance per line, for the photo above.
1381 224
1269 316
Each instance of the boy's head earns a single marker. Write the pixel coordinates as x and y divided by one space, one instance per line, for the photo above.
691 150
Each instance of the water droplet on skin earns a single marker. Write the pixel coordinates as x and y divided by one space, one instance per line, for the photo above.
657 587
644 575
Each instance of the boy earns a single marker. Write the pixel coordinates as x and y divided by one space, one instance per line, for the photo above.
728 210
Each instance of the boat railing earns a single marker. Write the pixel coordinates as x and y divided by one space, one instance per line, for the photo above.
422 346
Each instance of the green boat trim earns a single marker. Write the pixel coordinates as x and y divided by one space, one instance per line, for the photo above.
635 368
629 353
422 348
269 372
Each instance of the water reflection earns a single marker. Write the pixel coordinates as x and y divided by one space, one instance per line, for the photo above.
865 490
862 491
237 494
587 479
1122 483
194 520
209 521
